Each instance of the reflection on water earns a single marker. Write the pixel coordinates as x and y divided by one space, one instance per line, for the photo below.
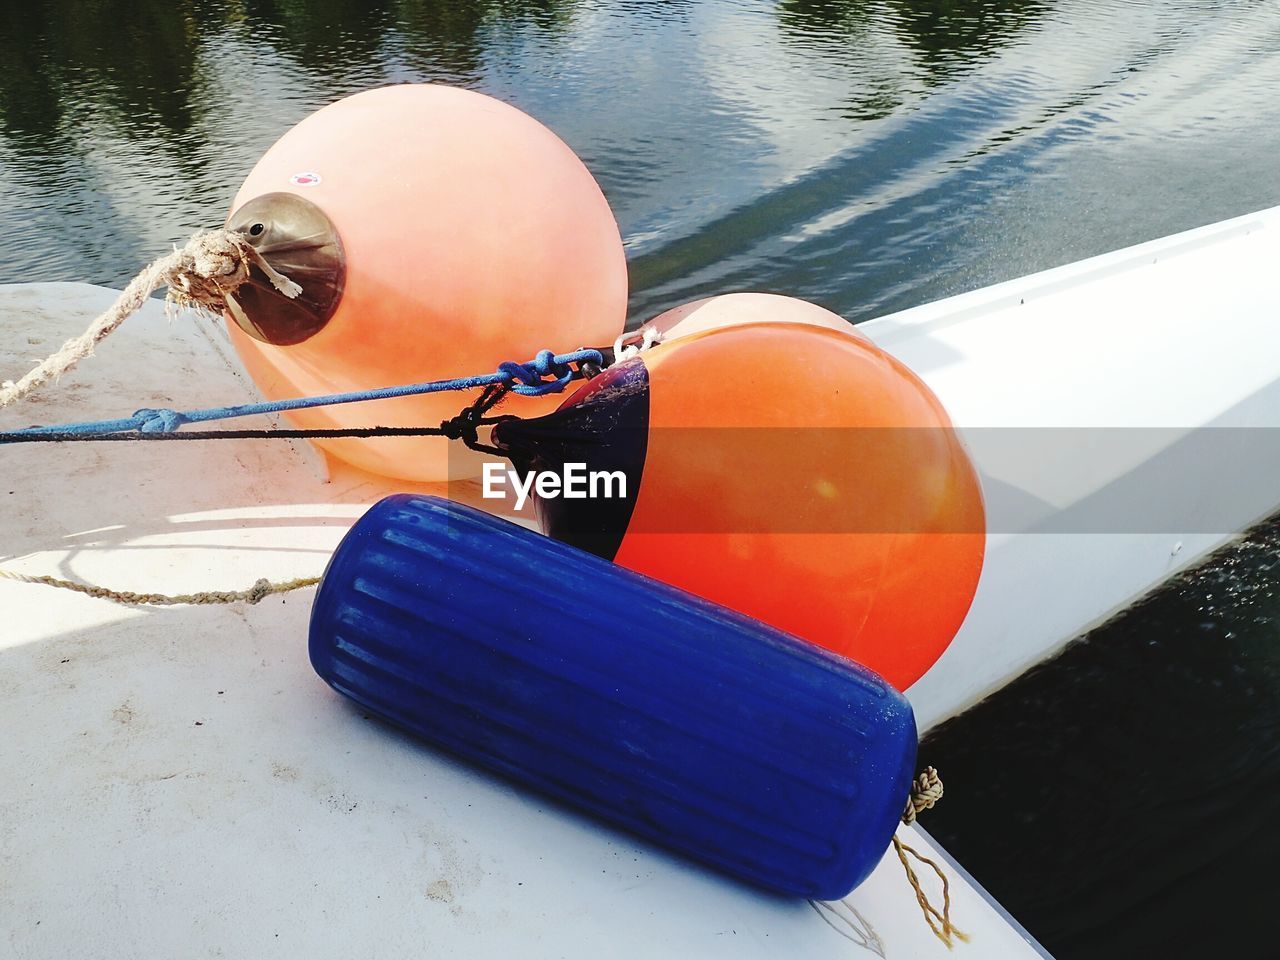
944 39
866 155
145 62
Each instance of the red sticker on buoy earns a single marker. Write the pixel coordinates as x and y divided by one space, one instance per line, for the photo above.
305 179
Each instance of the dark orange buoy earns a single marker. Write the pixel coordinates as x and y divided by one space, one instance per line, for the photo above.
735 309
797 474
435 232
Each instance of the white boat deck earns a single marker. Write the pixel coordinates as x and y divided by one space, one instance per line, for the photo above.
179 783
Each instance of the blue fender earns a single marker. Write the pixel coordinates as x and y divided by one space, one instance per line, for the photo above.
657 711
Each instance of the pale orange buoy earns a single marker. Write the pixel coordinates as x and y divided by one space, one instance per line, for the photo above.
436 232
733 309
794 473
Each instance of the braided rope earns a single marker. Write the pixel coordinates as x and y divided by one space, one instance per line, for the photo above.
939 920
259 591
633 344
926 790
527 379
204 274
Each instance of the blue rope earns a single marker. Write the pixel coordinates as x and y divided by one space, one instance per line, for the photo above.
546 373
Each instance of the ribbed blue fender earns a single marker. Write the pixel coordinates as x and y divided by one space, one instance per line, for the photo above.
682 721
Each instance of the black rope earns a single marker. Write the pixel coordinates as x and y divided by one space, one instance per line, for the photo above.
465 427
224 435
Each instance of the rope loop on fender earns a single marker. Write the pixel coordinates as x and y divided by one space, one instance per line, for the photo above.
926 790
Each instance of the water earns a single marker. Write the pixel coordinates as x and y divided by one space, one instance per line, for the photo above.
1121 800
866 155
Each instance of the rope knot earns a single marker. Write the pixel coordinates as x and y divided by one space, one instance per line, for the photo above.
217 254
462 427
633 344
260 589
204 274
211 267
926 790
159 420
545 364
529 378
